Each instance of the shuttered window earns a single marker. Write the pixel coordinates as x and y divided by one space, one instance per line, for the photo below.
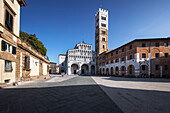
5 46
8 21
13 50
27 62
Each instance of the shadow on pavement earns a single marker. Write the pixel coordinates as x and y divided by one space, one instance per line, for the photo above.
59 99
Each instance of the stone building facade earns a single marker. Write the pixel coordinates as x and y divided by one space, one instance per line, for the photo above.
62 63
9 33
18 60
52 68
81 60
138 58
30 64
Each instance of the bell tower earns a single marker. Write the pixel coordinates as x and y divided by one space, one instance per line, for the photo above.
101 31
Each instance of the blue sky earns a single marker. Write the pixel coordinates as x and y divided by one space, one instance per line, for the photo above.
61 24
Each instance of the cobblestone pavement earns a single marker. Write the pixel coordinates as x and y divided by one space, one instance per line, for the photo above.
137 95
78 94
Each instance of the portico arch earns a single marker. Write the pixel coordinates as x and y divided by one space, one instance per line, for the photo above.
131 70
74 69
111 70
117 70
107 71
123 70
84 69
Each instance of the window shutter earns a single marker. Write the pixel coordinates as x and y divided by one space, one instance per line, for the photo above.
13 50
4 45
11 23
28 62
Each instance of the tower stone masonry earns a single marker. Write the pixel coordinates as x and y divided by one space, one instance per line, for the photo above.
101 31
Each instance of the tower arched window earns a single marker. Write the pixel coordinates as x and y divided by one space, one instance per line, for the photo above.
103 47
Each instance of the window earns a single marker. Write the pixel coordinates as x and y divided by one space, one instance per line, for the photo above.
166 44
143 55
166 55
62 64
103 47
166 67
13 50
27 62
5 46
103 18
116 52
103 39
103 32
103 25
122 59
123 49
111 54
156 55
143 67
130 47
156 44
143 45
111 61
8 21
116 60
157 67
8 66
130 57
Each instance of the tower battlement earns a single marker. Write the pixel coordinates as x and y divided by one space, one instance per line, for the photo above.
103 10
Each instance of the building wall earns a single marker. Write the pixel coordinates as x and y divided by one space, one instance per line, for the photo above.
107 60
53 68
34 66
7 75
62 63
45 68
9 37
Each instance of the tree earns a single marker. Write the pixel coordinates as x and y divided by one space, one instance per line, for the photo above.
34 42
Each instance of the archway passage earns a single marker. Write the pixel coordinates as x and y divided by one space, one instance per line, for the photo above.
103 71
74 69
123 70
117 70
84 69
144 71
111 70
92 70
131 70
107 71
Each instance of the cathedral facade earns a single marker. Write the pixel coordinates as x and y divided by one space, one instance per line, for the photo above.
81 60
